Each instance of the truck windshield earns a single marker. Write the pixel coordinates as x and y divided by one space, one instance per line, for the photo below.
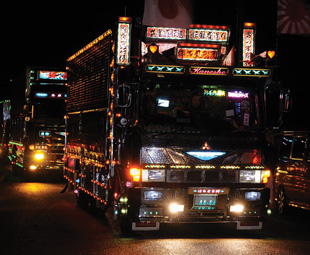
202 108
50 108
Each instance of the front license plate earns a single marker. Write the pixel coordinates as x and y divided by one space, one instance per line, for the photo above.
204 202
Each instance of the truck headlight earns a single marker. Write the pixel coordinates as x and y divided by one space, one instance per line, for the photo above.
250 176
252 196
236 208
174 207
152 195
39 156
153 175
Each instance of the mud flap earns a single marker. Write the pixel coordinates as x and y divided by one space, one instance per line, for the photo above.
147 226
249 225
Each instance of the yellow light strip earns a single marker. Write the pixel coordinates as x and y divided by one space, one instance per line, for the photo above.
98 39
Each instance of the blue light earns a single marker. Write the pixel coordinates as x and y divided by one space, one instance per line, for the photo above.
40 94
206 155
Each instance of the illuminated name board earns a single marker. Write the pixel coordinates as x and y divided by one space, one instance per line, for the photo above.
123 43
238 94
53 75
165 69
198 52
211 35
214 92
251 72
248 43
166 33
208 70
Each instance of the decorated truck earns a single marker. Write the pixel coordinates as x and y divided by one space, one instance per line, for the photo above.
34 133
163 125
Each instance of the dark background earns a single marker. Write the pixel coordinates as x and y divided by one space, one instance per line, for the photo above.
47 33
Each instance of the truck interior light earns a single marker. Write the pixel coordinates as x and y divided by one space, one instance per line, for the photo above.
236 208
174 207
135 173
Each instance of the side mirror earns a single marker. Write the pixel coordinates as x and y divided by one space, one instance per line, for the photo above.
123 96
286 100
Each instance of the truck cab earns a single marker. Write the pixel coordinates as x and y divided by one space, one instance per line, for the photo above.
292 177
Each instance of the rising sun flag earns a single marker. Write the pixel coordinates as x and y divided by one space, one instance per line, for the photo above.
167 13
293 17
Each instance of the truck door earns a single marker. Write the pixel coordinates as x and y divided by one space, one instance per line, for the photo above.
307 177
298 169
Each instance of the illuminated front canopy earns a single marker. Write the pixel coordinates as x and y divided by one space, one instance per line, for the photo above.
166 33
206 155
208 34
198 52
53 75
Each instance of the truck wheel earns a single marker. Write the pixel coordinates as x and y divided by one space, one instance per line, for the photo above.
281 202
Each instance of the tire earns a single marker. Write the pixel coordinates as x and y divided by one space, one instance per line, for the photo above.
281 202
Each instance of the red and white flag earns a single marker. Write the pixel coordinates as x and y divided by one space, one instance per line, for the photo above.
293 17
167 13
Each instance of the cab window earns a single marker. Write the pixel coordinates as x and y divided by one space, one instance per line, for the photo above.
298 148
286 147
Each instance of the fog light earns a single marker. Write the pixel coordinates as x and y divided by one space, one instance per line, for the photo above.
33 167
236 208
176 208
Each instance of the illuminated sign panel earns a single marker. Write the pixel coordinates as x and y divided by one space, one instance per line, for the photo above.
201 70
53 75
248 45
214 92
165 69
166 33
211 35
251 72
198 52
123 44
238 94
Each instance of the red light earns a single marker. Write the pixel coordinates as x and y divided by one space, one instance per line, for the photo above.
199 45
249 25
124 19
209 26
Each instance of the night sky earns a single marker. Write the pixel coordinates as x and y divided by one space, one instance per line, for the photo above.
48 32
